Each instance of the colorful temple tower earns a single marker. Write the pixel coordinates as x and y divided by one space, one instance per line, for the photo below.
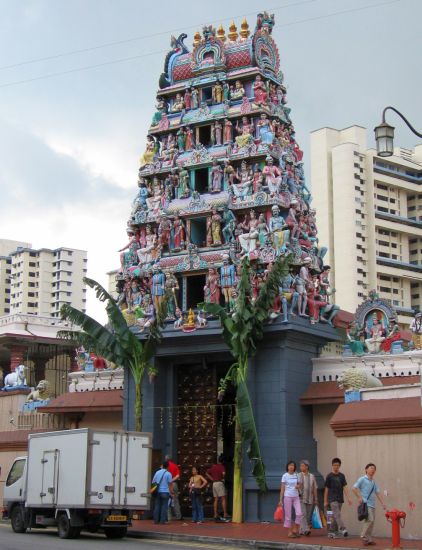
222 178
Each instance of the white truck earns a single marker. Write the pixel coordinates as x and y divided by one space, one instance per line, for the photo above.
80 479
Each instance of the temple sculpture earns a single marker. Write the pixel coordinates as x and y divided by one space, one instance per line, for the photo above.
221 178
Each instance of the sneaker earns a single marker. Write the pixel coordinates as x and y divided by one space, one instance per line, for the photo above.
344 532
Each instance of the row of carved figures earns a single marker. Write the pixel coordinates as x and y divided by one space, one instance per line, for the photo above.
302 292
296 232
264 92
283 179
262 130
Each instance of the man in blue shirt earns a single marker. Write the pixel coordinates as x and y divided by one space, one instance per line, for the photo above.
162 495
365 489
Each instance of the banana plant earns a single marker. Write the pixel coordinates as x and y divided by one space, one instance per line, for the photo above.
242 329
116 342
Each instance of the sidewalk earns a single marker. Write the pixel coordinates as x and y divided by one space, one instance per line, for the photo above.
252 535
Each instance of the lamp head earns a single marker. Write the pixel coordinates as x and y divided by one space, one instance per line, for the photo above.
384 138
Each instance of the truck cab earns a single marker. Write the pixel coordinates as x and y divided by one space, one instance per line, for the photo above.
14 493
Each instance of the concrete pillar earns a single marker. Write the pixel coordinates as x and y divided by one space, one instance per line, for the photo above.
17 356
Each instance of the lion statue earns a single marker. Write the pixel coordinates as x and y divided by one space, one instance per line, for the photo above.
356 379
41 392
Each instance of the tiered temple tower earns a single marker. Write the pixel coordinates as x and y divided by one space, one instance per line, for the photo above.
221 178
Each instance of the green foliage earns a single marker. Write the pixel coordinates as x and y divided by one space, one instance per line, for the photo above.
241 332
118 344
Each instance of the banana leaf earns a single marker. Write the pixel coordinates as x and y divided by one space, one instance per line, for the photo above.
249 433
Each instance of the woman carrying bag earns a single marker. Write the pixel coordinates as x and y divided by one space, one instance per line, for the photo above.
289 493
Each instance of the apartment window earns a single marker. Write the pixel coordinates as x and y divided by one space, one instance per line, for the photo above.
31 294
33 254
415 296
31 274
69 253
382 209
8 271
68 294
414 285
394 256
395 290
382 198
383 187
413 241
385 289
414 251
85 260
383 255
69 283
32 264
383 243
411 208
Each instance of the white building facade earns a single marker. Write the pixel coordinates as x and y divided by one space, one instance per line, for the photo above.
370 216
39 282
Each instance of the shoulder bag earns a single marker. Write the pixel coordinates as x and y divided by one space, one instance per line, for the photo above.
155 485
363 506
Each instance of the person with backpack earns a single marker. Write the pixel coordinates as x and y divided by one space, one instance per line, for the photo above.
366 490
163 480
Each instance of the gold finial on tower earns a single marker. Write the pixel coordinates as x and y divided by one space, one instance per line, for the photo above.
221 33
232 32
196 38
244 32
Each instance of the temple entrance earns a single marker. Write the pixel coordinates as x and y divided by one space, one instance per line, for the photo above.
205 428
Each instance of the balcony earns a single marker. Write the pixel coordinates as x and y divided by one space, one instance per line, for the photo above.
397 263
396 218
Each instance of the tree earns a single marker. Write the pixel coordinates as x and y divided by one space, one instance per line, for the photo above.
117 343
242 329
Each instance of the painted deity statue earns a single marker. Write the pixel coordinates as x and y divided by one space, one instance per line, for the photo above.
161 109
195 98
164 230
238 92
260 93
140 201
416 329
187 98
265 130
288 295
181 139
229 220
179 234
178 104
171 288
146 254
376 336
272 175
216 177
262 228
128 259
217 92
244 176
189 141
302 282
218 130
183 189
158 286
212 290
248 240
227 280
277 230
154 202
150 150
245 131
214 229
229 174
228 129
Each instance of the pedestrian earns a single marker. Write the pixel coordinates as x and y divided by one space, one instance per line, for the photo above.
366 489
334 491
164 490
216 474
196 484
308 496
289 499
175 504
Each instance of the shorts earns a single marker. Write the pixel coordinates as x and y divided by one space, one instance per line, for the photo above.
218 489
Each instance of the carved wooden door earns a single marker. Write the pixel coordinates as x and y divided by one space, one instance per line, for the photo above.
196 428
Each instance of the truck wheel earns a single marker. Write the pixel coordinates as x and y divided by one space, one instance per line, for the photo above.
115 532
65 530
17 520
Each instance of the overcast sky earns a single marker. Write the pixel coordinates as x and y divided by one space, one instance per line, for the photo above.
70 143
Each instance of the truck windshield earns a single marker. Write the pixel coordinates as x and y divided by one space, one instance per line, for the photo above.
16 472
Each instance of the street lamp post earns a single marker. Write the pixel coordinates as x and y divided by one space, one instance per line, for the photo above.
384 134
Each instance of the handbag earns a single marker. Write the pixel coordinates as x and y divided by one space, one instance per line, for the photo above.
363 507
278 514
155 485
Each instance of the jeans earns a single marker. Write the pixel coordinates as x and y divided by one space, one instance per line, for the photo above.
175 507
290 502
337 524
197 508
368 525
161 507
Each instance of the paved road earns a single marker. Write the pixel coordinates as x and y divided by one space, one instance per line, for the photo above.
47 539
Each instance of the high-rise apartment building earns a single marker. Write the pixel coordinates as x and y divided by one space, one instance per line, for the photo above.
39 282
370 216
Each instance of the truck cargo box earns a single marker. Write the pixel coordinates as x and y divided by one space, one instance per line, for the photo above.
88 468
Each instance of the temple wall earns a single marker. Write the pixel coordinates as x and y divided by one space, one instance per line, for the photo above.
324 437
398 475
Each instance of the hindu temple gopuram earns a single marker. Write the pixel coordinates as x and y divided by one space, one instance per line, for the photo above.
221 178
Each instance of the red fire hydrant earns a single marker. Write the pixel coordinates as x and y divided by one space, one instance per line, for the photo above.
397 520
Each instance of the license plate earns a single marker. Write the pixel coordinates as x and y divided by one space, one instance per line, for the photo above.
116 518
